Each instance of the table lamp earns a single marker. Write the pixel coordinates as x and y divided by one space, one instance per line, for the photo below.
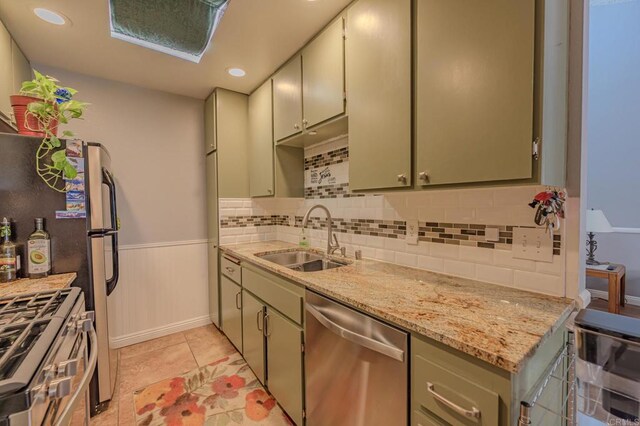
596 222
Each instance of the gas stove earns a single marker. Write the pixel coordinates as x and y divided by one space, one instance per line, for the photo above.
43 347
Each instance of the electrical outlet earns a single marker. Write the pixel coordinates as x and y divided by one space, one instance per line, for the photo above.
532 244
412 232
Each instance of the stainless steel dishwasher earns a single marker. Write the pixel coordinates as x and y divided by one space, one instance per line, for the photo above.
355 367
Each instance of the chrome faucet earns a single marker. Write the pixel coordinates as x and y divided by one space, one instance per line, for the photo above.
332 247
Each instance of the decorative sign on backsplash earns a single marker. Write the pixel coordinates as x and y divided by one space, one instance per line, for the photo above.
75 196
332 174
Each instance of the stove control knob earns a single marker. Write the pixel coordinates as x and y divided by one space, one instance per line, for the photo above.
88 315
68 368
59 388
49 372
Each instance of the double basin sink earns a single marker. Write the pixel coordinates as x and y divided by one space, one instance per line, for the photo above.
302 261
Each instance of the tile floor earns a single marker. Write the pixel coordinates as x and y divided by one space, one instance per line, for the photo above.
149 362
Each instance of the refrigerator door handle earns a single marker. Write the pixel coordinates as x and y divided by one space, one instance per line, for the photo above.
113 281
107 179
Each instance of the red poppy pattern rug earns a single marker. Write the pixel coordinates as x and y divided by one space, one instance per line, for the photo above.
225 392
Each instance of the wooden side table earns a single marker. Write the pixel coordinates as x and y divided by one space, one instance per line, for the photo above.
616 280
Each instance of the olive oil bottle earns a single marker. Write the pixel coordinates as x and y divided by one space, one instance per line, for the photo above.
8 259
39 251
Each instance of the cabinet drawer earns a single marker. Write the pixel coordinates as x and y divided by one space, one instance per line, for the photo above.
420 419
282 295
231 268
447 394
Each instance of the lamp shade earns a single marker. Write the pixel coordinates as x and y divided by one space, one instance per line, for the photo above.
597 221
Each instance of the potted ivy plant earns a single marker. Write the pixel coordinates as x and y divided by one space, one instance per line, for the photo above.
39 108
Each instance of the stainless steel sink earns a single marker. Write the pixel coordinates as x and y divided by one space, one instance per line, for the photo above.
303 261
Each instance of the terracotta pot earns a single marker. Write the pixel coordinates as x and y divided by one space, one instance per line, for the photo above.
27 123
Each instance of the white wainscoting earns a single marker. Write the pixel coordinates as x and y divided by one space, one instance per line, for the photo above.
162 289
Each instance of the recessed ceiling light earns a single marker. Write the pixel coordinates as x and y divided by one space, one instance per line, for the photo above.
236 72
49 16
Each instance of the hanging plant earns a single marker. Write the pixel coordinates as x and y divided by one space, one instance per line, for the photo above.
41 106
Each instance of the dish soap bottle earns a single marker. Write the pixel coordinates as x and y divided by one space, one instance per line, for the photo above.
8 258
39 251
304 243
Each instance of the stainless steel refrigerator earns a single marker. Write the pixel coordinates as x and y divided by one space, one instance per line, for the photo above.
87 246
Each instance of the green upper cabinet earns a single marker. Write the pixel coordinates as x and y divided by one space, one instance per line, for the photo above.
6 73
261 142
210 124
232 143
287 100
378 74
21 67
474 91
323 93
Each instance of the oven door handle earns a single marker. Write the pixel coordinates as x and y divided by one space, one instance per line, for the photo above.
64 418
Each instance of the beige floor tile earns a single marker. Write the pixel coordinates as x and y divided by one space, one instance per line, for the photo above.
202 332
208 344
152 345
107 418
126 415
141 370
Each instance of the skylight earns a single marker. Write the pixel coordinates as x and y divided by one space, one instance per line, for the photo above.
181 28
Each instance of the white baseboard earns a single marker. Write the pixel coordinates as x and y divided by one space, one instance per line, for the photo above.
153 333
631 300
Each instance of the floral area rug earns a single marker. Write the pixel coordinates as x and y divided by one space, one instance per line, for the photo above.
225 392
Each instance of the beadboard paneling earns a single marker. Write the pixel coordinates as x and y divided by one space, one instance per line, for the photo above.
162 289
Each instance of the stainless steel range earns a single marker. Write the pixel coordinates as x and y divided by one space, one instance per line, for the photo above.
47 358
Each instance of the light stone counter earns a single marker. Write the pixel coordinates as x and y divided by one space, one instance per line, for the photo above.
500 325
26 285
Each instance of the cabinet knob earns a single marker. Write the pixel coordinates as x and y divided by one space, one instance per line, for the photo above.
423 176
305 122
296 126
210 145
402 178
270 191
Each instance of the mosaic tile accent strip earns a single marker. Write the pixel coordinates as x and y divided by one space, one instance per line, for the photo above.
330 191
327 158
254 220
462 234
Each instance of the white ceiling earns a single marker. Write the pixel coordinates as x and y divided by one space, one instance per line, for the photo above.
256 35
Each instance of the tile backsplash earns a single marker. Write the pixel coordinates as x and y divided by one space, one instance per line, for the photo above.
451 224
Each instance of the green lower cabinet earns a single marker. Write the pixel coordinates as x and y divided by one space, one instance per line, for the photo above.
284 364
419 418
231 311
253 311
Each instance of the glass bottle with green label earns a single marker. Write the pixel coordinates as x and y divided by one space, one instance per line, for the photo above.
8 258
39 251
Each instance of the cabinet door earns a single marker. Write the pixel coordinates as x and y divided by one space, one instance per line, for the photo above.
214 284
323 76
6 72
253 312
232 143
210 124
284 363
378 70
21 67
261 142
231 311
474 90
212 197
287 100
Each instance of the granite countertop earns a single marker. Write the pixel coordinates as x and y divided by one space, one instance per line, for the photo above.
27 285
500 325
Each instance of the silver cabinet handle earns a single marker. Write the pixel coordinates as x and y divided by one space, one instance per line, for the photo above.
260 324
265 325
305 122
270 191
424 176
402 178
474 413
358 339
296 126
230 269
210 145
239 300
